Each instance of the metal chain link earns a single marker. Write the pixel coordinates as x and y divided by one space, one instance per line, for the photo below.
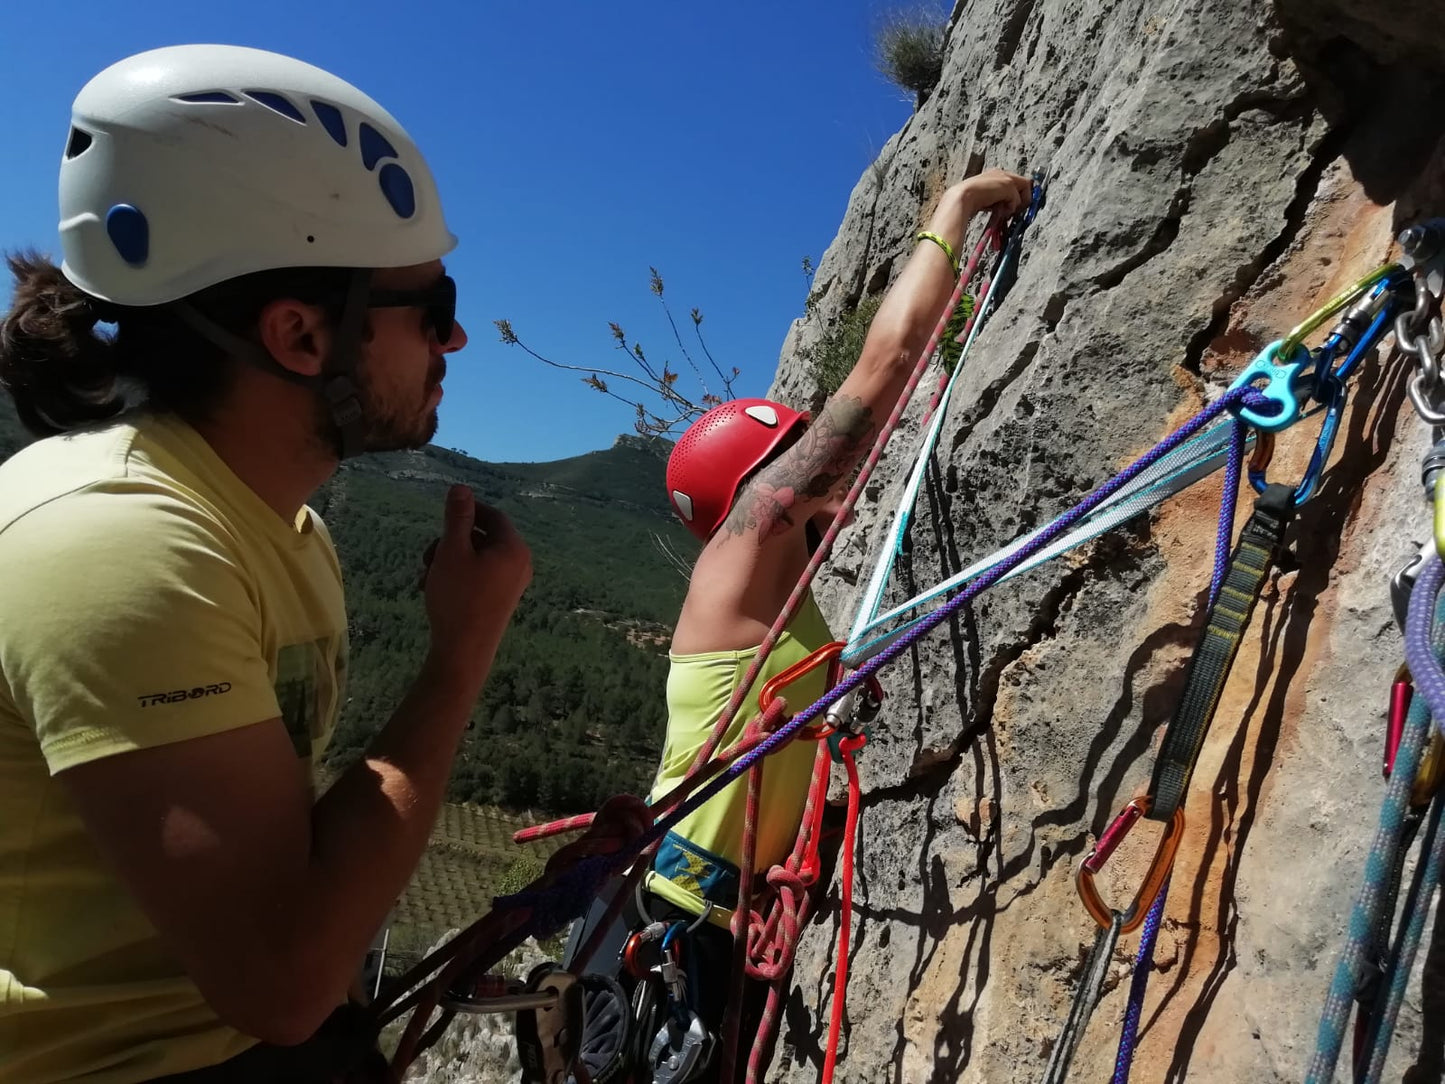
1421 332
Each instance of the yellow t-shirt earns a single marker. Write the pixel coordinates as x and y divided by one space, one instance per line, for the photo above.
698 860
147 596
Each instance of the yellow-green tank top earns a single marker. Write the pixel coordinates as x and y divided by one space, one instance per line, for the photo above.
699 858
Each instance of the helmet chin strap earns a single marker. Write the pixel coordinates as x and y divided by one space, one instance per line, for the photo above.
339 372
337 381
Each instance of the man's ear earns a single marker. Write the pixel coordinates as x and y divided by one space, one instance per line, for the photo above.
296 334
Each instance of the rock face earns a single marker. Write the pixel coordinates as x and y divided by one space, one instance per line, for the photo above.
1218 169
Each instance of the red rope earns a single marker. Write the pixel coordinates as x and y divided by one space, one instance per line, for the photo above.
825 547
742 914
769 720
773 942
846 747
479 947
993 236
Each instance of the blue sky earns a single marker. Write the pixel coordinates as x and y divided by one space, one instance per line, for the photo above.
575 145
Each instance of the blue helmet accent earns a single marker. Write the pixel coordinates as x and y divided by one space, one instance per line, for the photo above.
374 146
129 232
277 102
332 120
396 186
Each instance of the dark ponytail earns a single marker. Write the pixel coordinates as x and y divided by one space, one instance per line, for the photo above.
60 371
63 373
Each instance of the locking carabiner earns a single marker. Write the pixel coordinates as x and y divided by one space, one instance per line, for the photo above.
1361 329
1306 327
1153 880
827 655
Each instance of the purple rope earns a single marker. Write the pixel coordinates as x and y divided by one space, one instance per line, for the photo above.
1424 666
1139 985
572 892
1228 499
1144 961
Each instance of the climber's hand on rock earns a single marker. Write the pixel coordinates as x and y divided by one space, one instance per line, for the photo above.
992 189
996 190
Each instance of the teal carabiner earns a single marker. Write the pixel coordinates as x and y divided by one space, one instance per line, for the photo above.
1284 386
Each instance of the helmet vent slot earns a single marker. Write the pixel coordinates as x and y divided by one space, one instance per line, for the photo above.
80 142
210 97
332 120
374 146
277 103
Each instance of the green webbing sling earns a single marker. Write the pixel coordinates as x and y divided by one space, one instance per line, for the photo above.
1249 565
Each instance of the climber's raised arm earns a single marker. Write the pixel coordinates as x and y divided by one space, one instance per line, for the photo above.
784 493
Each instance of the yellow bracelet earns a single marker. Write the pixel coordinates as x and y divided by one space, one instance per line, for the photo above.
927 235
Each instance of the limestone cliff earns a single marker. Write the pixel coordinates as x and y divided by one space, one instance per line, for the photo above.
1218 168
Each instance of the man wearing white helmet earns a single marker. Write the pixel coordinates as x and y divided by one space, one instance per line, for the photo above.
266 240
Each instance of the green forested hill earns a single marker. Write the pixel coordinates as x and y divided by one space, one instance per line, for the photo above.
574 710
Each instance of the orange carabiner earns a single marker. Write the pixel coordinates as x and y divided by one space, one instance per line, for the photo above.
1263 454
1153 880
825 655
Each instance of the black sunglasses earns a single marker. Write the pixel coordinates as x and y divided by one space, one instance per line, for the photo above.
439 300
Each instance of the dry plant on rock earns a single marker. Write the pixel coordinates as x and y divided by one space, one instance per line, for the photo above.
909 49
660 404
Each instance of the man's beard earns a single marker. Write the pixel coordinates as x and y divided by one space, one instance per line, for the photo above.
395 435
386 429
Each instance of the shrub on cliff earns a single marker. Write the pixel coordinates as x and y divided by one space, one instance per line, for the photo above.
909 50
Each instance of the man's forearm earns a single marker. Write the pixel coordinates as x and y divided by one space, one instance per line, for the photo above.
370 828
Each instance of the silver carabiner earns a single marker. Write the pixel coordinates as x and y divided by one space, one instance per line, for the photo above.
1403 582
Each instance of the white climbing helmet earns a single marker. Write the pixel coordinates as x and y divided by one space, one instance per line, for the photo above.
194 164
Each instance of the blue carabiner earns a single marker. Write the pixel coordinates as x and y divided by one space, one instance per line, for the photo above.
1036 197
1329 390
1284 387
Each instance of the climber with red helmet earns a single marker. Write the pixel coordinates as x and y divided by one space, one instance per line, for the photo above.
175 901
757 482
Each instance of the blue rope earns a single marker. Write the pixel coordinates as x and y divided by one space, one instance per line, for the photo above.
1417 903
1372 900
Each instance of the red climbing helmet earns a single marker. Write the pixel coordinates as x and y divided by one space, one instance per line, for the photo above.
718 451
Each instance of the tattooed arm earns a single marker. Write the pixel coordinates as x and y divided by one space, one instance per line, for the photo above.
747 570
779 495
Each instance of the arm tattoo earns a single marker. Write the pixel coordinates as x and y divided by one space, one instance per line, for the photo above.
827 452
